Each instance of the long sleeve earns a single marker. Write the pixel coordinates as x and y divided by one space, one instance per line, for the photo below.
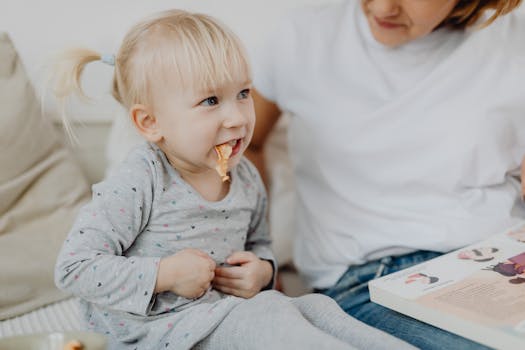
92 263
258 239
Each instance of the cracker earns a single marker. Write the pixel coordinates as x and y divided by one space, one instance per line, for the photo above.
73 345
224 152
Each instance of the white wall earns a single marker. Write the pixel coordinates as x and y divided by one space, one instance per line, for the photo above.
40 28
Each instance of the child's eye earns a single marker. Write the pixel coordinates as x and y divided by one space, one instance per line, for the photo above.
210 101
244 94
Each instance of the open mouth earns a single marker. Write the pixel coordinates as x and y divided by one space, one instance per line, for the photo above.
235 145
224 152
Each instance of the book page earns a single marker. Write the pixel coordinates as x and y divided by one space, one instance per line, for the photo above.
483 284
487 298
453 267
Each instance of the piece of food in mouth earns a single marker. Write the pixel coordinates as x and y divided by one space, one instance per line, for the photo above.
224 152
73 345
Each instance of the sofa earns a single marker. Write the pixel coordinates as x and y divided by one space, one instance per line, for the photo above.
45 177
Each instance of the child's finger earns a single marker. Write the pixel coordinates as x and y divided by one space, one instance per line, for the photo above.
225 282
234 272
204 255
240 258
227 290
201 253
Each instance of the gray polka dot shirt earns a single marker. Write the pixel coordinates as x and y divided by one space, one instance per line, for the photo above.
145 211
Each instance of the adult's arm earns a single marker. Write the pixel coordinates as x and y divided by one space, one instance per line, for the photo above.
267 114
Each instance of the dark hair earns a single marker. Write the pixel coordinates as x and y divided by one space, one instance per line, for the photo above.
517 280
431 279
505 269
468 12
478 253
483 260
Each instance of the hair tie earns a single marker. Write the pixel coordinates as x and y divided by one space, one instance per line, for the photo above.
108 59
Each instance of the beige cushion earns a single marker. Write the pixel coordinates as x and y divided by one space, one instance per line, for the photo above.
41 188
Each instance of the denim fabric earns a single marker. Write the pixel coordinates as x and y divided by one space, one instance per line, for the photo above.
351 293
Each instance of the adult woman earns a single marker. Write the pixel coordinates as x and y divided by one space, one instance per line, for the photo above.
406 128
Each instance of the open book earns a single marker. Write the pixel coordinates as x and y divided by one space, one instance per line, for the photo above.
477 292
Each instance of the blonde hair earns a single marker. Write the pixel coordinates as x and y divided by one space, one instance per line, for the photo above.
201 51
468 12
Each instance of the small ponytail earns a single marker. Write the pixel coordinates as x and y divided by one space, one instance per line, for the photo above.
194 47
115 92
67 74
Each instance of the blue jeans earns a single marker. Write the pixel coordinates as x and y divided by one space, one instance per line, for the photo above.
351 293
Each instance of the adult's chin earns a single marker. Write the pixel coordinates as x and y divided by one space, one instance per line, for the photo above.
389 37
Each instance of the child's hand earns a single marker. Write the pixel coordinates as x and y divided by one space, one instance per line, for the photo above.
188 273
246 279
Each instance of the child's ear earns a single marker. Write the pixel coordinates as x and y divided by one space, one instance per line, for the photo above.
145 122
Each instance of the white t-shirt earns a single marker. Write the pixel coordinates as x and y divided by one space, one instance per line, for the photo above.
396 150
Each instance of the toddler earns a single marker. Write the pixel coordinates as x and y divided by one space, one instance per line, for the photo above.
172 253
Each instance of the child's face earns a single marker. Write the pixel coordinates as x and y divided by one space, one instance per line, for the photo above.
396 22
193 122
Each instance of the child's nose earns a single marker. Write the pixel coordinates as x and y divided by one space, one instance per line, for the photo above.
234 118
